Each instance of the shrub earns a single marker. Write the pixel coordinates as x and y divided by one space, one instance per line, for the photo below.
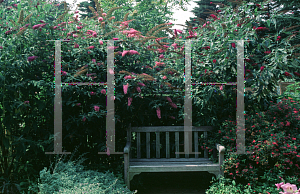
70 177
228 186
272 144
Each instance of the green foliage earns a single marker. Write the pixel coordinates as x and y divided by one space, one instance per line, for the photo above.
228 186
72 177
272 144
292 91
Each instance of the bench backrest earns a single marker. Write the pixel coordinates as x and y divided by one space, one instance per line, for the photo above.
167 130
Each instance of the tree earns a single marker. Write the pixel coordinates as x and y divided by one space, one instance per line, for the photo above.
204 6
84 7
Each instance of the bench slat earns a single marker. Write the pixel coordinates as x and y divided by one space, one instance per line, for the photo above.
167 145
157 144
173 167
169 129
138 145
148 144
177 143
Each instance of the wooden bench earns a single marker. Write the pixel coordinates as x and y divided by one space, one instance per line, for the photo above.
134 166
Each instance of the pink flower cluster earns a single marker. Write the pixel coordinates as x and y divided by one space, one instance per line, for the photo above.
132 33
278 38
261 28
130 52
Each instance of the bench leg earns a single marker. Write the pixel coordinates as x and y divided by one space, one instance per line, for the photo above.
217 173
129 177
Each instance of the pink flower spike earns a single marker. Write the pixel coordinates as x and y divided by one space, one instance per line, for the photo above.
233 45
100 42
138 89
129 101
161 56
94 60
96 108
115 38
158 112
124 53
141 84
221 87
125 87
165 77
173 105
128 77
262 68
103 91
132 52
169 99
32 58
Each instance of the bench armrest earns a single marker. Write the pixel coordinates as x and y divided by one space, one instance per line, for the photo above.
220 148
127 148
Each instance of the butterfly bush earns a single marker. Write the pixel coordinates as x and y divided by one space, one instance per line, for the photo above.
130 54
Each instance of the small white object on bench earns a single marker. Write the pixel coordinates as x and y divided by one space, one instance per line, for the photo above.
135 166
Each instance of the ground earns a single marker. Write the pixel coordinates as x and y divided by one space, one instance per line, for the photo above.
175 183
